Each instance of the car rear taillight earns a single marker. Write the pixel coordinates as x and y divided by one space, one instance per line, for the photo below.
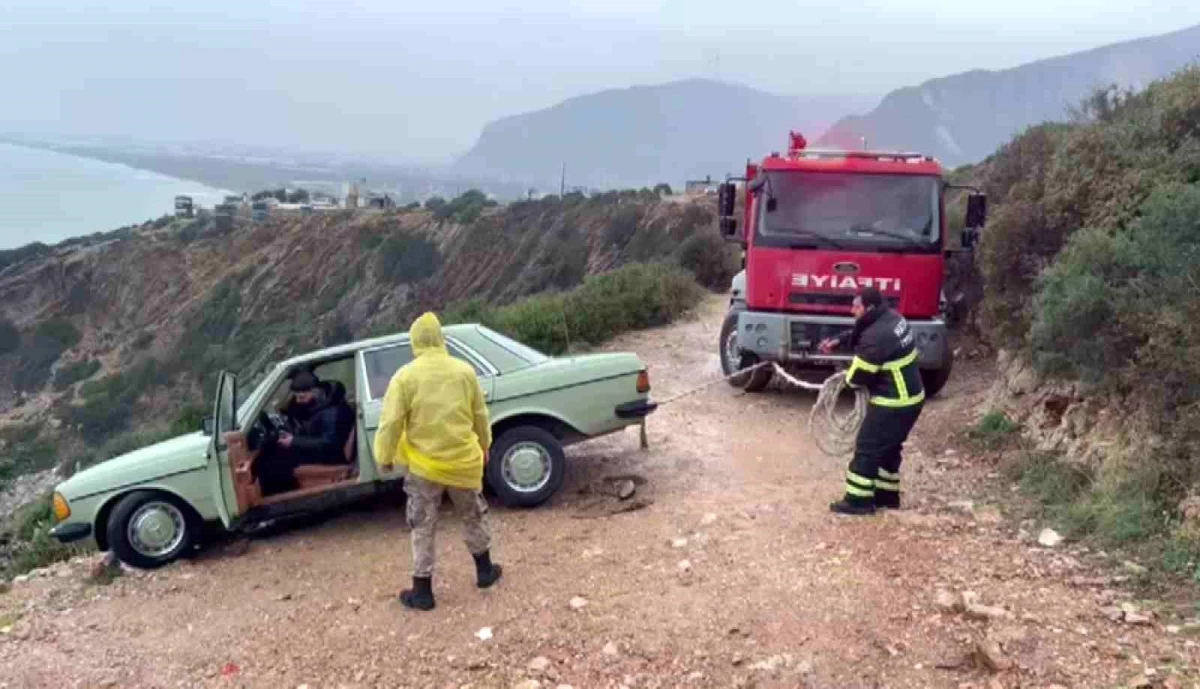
643 384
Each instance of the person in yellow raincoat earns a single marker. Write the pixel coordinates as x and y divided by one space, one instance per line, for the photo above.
434 424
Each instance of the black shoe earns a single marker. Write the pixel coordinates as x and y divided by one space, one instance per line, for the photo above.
420 596
486 573
887 499
853 506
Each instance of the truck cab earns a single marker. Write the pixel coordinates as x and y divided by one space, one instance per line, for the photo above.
819 225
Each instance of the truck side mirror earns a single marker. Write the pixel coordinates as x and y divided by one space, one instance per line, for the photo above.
728 227
726 200
207 425
976 210
969 236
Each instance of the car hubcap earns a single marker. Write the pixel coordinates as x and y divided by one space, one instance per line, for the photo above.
156 529
526 467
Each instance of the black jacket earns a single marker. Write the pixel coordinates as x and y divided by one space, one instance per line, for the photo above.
320 431
885 359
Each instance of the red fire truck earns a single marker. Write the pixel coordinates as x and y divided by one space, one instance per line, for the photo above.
817 226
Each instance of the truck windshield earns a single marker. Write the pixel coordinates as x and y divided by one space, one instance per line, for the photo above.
853 211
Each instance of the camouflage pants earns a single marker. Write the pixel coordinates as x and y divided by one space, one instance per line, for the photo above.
424 499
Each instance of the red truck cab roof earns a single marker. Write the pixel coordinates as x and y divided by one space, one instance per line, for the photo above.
800 157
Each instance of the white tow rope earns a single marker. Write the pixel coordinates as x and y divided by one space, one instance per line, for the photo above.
834 433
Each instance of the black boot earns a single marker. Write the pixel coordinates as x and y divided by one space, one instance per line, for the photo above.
853 505
486 573
420 596
887 499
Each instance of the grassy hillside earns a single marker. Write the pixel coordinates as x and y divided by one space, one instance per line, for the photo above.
1091 264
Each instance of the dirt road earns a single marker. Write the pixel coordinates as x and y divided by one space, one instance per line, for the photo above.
736 575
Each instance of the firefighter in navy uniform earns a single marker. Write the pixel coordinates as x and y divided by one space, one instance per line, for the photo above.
885 363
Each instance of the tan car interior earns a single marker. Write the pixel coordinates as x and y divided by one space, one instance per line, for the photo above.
311 478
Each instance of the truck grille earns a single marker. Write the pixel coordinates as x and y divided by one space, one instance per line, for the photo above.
806 336
833 299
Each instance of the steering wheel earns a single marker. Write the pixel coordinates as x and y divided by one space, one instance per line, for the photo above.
265 432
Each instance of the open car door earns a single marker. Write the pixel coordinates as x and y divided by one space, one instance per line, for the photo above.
224 422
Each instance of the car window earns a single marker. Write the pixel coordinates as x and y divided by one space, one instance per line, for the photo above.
458 354
382 364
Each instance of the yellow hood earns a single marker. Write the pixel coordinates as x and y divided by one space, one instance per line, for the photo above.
426 335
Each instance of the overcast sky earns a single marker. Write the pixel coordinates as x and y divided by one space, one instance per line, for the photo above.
419 79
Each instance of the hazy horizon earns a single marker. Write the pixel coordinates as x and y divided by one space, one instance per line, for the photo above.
419 83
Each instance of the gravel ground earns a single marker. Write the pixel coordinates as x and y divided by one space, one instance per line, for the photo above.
734 573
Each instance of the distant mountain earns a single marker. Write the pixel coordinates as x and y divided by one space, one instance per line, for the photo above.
964 118
643 135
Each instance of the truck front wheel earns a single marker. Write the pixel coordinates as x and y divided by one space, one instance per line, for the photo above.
934 379
733 359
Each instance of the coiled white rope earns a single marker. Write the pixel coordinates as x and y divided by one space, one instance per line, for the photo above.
835 433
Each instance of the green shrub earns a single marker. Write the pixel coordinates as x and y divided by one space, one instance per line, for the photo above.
1110 295
712 260
405 258
109 403
33 546
74 372
634 297
188 420
994 431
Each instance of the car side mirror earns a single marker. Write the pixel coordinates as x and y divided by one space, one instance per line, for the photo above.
207 425
976 210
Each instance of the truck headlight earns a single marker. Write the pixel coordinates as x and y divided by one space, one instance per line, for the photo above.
61 509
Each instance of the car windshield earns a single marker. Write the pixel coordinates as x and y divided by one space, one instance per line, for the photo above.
525 353
843 210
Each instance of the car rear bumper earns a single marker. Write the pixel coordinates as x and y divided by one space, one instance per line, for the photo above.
793 338
639 409
69 533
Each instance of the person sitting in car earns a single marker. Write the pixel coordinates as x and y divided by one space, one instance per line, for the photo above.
319 421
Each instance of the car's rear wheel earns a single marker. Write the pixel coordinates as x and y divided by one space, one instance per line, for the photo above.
526 466
148 529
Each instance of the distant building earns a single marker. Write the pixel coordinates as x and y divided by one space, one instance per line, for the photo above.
381 202
704 186
184 207
259 210
223 215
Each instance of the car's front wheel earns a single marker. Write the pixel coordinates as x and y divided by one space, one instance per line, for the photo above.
148 529
526 466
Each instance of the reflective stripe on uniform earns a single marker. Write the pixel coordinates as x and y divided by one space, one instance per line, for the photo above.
898 404
900 363
885 474
859 486
897 369
885 484
856 364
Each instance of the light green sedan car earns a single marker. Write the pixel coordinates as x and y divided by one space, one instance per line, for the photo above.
151 506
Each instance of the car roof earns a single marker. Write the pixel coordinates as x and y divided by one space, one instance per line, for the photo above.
455 331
